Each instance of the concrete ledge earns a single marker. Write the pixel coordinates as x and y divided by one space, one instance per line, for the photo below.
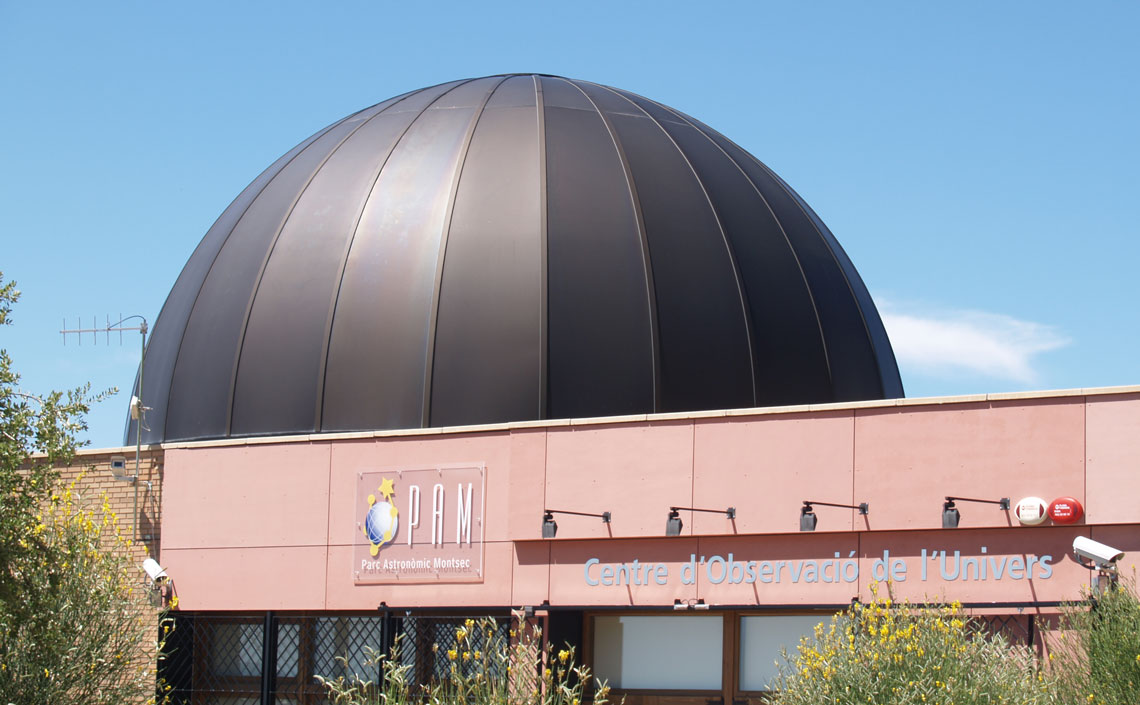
937 401
677 415
539 423
1104 391
640 418
769 410
601 420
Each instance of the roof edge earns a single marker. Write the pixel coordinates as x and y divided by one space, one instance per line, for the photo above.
645 418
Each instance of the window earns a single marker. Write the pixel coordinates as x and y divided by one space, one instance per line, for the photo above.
236 649
672 652
761 640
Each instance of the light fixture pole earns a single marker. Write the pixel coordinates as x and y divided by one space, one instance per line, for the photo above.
137 411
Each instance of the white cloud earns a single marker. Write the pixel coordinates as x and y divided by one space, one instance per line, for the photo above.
953 342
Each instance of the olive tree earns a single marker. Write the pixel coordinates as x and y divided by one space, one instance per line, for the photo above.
76 623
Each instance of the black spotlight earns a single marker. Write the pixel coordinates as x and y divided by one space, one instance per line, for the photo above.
808 519
950 515
549 528
673 524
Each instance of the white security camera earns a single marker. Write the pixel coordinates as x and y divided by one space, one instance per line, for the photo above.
154 570
1102 556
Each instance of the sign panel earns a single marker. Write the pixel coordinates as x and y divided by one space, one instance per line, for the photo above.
419 525
1030 511
1066 510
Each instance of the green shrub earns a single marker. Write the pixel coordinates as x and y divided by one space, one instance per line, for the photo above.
484 668
1097 655
76 625
886 653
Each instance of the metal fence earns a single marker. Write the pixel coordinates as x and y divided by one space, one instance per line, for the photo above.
271 658
225 659
1018 629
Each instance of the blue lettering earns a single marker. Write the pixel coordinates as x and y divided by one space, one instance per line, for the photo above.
586 571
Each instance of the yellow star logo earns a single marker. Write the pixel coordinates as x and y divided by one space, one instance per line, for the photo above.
387 489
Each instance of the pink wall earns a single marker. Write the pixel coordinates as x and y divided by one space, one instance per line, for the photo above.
272 525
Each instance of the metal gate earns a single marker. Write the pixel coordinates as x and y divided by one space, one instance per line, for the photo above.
272 658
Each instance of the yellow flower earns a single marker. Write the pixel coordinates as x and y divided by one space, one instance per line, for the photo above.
564 655
466 655
478 655
174 602
452 654
469 623
460 634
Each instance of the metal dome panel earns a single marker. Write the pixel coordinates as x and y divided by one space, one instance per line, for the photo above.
508 248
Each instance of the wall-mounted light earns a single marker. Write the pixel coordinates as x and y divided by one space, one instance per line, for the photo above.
550 527
808 519
951 516
673 523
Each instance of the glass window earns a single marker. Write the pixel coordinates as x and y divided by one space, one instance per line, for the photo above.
672 652
236 649
761 640
288 649
346 638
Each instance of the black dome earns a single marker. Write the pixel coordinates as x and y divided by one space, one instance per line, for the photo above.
502 249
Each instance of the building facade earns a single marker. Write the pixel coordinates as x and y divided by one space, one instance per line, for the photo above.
542 349
285 532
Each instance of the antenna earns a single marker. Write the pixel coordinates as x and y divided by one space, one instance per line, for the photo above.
138 411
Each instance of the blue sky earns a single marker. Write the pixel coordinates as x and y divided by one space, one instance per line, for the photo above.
976 160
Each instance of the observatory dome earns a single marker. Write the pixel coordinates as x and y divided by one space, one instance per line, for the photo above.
508 248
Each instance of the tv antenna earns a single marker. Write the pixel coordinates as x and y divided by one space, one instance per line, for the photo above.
138 411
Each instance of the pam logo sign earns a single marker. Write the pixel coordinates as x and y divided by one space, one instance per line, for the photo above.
419 525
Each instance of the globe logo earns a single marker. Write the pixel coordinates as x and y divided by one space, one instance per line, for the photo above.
383 519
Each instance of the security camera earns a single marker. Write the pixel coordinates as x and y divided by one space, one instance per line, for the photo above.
154 571
1102 556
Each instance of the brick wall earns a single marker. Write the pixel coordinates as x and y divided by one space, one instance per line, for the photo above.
92 469
97 480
